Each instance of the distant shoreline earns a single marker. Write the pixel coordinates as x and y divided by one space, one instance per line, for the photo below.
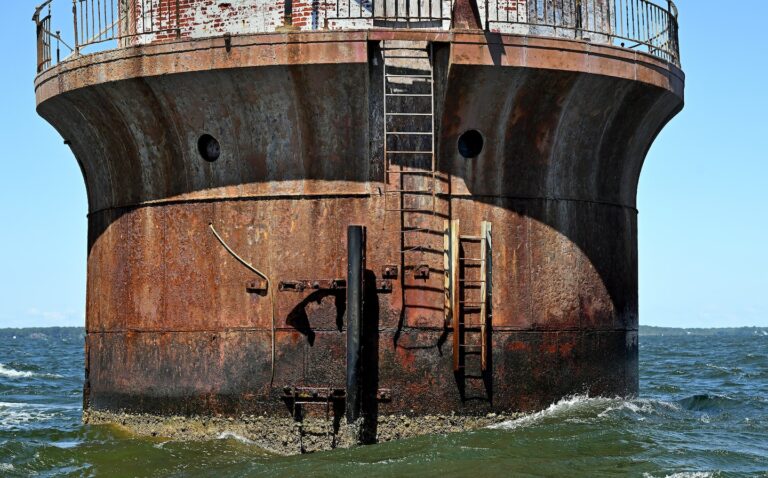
75 333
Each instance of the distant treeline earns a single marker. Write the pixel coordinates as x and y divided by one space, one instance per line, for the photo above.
78 333
44 333
647 330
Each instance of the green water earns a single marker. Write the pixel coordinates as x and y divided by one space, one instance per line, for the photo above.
703 411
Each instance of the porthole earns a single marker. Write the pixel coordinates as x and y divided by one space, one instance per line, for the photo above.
470 143
209 148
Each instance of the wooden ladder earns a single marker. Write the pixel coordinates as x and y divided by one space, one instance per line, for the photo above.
468 280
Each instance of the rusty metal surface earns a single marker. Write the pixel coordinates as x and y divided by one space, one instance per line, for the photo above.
171 326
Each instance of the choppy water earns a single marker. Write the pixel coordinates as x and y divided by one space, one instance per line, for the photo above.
703 411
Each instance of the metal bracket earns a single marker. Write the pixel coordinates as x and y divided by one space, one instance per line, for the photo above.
313 394
256 286
316 284
298 397
421 272
323 395
389 272
384 395
382 285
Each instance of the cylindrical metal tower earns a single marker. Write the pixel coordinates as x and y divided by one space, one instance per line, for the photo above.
490 148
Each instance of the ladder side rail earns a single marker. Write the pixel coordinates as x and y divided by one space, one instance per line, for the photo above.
455 306
485 232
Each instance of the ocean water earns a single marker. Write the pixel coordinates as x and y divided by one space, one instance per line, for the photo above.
702 411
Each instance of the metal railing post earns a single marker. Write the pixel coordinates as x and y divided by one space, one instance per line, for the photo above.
74 18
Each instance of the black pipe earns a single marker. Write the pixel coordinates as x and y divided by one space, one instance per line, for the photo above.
355 288
288 13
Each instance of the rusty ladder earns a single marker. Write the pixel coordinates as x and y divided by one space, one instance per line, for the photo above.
410 184
319 397
468 281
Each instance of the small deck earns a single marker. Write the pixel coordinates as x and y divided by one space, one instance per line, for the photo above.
648 26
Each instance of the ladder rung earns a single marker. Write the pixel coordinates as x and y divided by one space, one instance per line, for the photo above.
408 191
409 172
470 238
425 211
469 302
477 377
409 114
472 260
411 133
385 47
472 281
425 57
409 152
407 94
407 76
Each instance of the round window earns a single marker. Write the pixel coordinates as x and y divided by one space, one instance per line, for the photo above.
470 143
209 148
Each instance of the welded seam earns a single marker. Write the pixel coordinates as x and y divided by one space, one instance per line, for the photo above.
439 329
365 195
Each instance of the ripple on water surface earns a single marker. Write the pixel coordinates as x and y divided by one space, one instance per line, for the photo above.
702 412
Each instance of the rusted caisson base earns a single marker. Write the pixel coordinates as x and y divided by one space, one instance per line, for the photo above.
538 222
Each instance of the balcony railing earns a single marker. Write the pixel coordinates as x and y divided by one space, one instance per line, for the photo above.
644 25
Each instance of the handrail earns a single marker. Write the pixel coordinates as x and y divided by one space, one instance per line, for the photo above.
650 26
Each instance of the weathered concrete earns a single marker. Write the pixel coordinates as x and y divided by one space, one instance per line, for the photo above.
286 436
171 326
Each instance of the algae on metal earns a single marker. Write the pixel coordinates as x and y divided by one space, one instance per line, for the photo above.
286 436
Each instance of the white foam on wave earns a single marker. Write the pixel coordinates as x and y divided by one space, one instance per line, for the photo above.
602 407
556 409
6 466
234 436
13 373
685 474
14 413
12 417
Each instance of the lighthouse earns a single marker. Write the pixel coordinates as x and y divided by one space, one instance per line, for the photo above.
314 218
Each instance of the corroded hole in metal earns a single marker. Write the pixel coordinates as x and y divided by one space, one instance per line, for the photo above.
209 148
470 143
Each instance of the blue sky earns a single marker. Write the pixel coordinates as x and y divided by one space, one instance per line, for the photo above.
702 198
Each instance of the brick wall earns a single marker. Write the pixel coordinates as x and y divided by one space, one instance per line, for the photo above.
205 18
155 20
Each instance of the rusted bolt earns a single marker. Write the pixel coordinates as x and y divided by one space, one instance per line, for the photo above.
421 272
389 272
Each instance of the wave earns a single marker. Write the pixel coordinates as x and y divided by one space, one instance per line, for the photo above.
708 402
13 373
577 407
685 474
16 414
234 436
